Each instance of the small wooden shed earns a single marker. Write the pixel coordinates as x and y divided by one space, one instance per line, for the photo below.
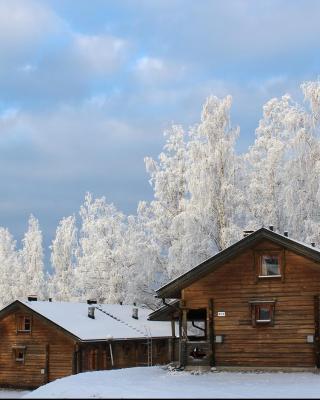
42 341
254 304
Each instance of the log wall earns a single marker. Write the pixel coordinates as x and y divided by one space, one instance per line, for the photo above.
48 353
234 284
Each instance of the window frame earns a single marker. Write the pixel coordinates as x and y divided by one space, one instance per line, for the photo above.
255 306
258 255
17 350
20 326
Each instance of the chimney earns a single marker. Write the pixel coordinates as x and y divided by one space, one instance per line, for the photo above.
313 244
91 301
247 233
32 298
135 313
271 227
286 233
91 312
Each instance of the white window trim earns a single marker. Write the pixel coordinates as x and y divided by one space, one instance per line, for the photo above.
263 320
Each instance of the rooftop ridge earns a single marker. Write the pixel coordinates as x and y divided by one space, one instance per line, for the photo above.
119 320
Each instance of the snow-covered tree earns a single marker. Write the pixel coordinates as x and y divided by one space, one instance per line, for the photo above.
63 259
155 220
100 273
32 260
212 208
311 91
283 169
146 269
204 195
10 267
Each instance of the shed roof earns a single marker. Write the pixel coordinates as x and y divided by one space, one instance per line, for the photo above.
166 312
173 288
112 321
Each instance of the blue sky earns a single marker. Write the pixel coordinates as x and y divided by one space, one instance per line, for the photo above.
88 87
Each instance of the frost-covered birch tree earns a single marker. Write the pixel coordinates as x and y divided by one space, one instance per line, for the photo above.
63 260
11 271
204 195
210 221
32 259
283 168
99 273
265 168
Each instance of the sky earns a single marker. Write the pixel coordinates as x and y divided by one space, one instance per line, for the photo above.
87 88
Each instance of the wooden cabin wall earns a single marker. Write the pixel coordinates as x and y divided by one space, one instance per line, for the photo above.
234 284
51 354
48 353
126 353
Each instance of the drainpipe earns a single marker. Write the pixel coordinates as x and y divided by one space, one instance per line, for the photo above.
111 354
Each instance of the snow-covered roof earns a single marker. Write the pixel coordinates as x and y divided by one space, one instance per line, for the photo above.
112 321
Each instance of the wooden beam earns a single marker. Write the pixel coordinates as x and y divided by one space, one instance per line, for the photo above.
211 331
46 370
317 330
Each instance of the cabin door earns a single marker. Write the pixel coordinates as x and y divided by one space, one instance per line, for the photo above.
197 347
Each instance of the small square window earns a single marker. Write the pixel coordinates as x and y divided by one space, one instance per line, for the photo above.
262 313
24 323
19 354
270 265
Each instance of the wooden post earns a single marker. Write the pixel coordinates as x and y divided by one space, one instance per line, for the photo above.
173 327
184 324
211 332
79 363
173 340
283 265
46 369
74 363
317 330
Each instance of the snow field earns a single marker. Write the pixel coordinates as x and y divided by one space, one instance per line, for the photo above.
159 382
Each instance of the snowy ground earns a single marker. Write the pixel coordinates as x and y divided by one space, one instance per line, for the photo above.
157 382
12 394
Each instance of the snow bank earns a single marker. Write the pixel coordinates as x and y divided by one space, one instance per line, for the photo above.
12 394
157 382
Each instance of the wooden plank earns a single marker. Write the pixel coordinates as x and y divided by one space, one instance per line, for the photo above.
211 331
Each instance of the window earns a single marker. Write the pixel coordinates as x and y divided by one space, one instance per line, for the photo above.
196 324
19 353
270 265
24 323
262 312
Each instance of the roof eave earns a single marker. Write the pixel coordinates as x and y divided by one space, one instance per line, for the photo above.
173 289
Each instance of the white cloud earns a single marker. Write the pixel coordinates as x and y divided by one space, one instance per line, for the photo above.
101 53
23 23
153 70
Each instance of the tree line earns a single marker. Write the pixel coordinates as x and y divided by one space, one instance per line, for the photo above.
204 196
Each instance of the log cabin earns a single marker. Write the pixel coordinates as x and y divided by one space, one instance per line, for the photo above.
44 340
255 304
